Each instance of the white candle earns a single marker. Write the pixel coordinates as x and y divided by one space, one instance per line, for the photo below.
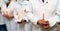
43 16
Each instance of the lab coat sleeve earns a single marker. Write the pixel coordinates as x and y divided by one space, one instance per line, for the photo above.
29 13
3 7
18 17
15 7
17 14
56 18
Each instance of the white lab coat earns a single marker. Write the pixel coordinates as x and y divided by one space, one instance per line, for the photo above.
11 24
51 10
1 17
21 15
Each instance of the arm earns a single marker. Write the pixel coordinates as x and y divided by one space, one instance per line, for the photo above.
29 13
55 19
8 14
18 14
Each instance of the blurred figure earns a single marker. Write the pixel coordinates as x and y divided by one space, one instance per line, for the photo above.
43 14
2 22
20 16
8 13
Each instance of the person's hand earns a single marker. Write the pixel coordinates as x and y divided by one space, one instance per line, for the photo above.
22 21
7 16
43 23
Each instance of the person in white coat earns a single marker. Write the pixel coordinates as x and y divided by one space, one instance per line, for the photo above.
21 18
2 22
44 12
8 13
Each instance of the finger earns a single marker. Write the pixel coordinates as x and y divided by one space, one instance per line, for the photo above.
19 22
23 20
